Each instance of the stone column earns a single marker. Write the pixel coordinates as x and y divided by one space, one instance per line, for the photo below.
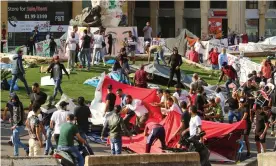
236 15
131 10
179 12
262 11
154 7
204 14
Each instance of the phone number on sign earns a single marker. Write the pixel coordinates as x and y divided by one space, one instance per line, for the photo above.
35 16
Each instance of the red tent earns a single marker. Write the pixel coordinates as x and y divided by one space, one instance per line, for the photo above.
220 137
146 95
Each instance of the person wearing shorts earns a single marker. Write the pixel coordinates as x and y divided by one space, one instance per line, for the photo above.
261 128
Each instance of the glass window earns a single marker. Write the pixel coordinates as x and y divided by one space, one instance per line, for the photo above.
142 4
252 29
251 4
270 24
191 4
272 4
218 4
166 4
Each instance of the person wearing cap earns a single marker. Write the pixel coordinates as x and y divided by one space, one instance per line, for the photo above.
131 42
180 95
222 58
140 78
196 83
82 113
193 55
17 123
232 75
262 126
117 129
68 132
18 71
245 111
110 100
175 62
56 69
58 118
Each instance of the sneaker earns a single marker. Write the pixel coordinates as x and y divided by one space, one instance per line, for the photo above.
272 133
248 154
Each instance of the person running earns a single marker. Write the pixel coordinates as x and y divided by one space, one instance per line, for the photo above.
56 69
72 46
154 131
18 71
175 62
68 131
35 139
232 75
17 120
117 129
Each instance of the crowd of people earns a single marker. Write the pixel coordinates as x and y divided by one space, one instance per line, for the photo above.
44 119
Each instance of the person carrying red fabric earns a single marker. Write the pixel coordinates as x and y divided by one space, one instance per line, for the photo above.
193 55
213 58
266 69
232 75
154 131
140 78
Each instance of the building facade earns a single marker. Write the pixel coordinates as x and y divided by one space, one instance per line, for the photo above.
256 18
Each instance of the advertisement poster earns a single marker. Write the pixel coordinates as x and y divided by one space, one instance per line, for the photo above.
215 27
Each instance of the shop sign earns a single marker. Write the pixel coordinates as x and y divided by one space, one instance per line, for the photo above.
218 13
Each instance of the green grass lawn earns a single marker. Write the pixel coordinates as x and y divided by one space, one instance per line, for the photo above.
75 88
257 59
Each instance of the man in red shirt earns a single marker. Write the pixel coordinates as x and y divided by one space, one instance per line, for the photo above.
140 78
232 75
213 58
193 55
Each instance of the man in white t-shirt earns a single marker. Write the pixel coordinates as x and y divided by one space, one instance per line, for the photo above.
180 95
58 118
140 110
195 122
172 107
199 48
98 41
71 42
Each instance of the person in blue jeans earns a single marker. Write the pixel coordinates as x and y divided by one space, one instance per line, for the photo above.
85 50
154 131
117 128
17 118
68 131
56 69
232 76
18 71
47 111
233 108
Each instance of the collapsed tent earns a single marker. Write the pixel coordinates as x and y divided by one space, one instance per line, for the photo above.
181 41
146 95
221 138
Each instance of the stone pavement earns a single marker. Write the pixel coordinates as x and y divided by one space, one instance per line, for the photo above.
99 149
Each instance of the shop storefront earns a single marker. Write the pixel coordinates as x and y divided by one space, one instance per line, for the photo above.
50 17
270 23
252 24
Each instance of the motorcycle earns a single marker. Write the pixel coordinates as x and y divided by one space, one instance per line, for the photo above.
67 159
193 145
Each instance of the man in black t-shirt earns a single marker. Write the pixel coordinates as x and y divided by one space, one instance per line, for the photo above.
52 47
245 111
109 101
261 128
85 50
175 62
200 102
233 108
248 91
82 113
37 96
30 44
